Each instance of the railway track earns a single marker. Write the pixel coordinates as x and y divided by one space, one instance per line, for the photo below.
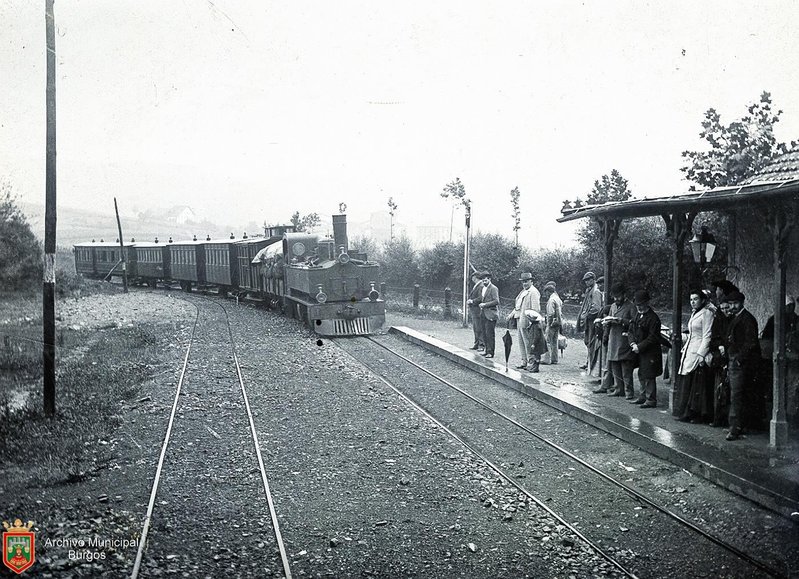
208 421
449 405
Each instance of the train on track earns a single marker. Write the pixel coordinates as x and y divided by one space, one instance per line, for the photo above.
316 279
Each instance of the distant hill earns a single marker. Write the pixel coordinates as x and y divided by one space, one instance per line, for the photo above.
80 225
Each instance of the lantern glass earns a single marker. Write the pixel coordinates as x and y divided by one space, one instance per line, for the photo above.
710 249
696 249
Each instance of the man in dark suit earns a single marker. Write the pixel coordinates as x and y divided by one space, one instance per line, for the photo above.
475 297
488 306
645 342
743 352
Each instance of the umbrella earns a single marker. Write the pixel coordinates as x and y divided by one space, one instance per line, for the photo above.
508 341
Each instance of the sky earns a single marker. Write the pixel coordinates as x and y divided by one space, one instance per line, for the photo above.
251 110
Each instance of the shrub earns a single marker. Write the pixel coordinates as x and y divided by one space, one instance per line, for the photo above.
20 251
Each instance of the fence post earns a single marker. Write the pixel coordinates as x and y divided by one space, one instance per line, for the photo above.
383 289
447 303
416 295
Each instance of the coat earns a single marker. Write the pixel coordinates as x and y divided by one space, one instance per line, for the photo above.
742 345
619 344
697 347
528 299
645 333
491 301
592 304
476 295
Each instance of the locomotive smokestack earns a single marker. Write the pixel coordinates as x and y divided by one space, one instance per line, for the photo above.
340 232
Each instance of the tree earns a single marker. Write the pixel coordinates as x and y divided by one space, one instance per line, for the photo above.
514 203
399 266
441 265
605 189
367 245
392 207
738 150
496 253
457 192
304 223
20 251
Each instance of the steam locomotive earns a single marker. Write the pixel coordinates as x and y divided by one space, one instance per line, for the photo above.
308 277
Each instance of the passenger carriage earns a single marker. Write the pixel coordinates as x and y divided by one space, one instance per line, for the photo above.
250 280
152 262
221 264
103 259
187 262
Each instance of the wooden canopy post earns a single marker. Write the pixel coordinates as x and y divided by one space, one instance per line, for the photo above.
610 232
678 227
780 224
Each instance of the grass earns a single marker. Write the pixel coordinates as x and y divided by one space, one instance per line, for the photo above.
97 372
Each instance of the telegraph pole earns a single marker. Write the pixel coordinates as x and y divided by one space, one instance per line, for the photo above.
48 279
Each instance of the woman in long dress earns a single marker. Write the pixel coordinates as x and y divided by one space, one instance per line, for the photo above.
694 376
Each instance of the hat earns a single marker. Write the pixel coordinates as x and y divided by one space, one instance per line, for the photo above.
734 296
550 285
641 297
588 275
726 285
617 289
485 274
526 276
600 279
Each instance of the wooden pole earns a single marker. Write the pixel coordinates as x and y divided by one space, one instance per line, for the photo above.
678 225
122 251
48 278
466 268
781 225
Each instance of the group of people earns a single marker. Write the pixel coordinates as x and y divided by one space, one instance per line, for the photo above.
621 336
537 332
717 381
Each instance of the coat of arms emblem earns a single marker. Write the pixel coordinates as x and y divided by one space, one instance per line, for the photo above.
19 546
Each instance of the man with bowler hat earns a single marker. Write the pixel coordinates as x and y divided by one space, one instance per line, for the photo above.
743 352
621 358
645 342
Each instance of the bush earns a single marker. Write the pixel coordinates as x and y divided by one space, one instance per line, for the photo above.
20 251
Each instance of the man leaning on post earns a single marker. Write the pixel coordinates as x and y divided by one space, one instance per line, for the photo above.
592 304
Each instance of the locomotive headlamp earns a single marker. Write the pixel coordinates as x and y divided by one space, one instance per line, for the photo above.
321 296
373 293
343 257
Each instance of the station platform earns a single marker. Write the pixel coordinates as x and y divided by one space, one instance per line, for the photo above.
747 467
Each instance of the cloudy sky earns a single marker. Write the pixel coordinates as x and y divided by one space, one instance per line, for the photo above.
250 110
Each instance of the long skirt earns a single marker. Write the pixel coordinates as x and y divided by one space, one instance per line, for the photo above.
696 394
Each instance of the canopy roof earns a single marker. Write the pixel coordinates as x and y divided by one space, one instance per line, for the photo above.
779 180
